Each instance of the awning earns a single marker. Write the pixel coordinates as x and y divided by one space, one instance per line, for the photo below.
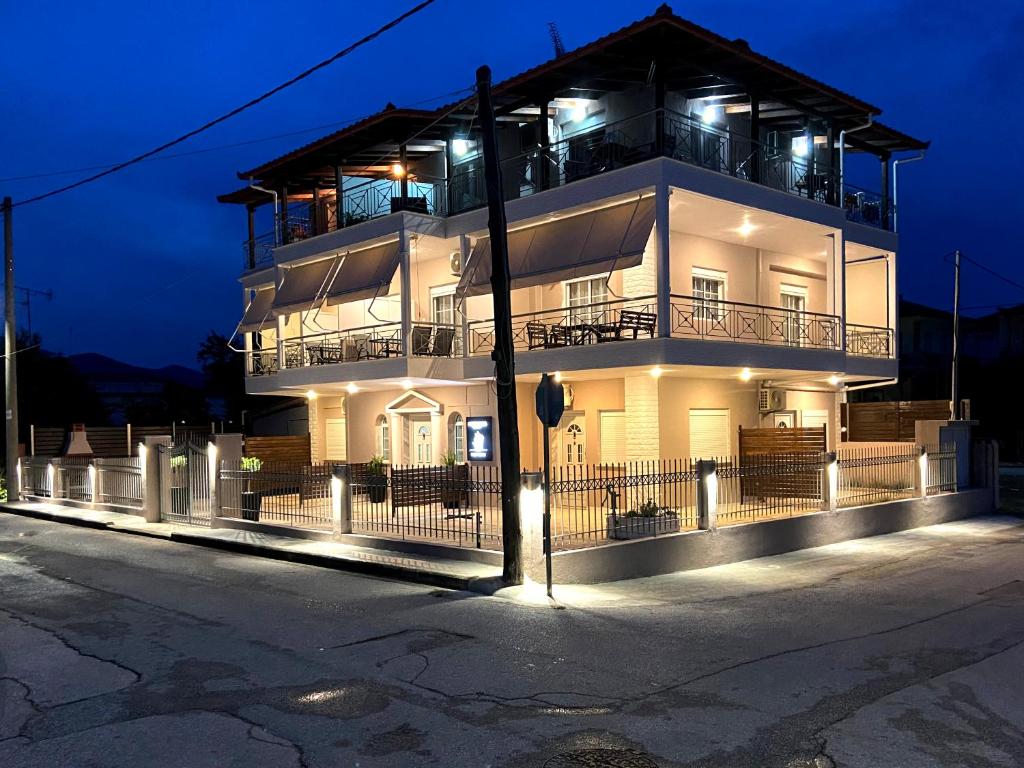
257 314
364 274
304 286
584 245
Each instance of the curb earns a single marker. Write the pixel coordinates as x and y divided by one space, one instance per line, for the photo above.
476 584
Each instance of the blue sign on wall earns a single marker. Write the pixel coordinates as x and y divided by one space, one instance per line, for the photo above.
479 435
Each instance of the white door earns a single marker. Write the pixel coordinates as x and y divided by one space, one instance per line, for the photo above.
420 439
709 433
794 302
574 440
336 445
613 437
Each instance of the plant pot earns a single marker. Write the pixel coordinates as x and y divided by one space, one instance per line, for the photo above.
377 488
251 506
625 528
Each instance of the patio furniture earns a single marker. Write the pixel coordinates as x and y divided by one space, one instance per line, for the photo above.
631 324
537 336
421 339
444 338
384 347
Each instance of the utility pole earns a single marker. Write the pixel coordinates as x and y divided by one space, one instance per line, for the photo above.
28 293
10 358
503 354
954 406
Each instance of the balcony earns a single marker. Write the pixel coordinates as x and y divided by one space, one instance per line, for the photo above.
869 341
664 133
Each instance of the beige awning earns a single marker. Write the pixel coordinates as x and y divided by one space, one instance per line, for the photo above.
303 287
587 244
257 314
364 274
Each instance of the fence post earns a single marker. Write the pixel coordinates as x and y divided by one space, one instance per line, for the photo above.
19 489
921 477
92 473
531 516
341 499
830 482
156 488
223 450
54 476
707 495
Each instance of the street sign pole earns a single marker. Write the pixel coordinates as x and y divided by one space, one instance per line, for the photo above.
550 407
547 505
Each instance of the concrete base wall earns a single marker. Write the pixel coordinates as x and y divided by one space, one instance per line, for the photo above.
97 506
703 549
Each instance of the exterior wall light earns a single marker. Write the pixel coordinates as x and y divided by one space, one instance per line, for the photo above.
746 228
406 384
656 371
397 170
351 388
710 114
579 112
460 147
558 377
310 394
745 375
834 380
799 146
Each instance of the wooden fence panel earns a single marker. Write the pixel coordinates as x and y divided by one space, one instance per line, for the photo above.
890 422
763 447
284 449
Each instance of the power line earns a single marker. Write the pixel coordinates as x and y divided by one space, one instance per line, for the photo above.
205 150
992 272
237 110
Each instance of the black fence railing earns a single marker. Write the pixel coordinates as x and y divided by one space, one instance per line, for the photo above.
869 341
876 474
703 318
279 493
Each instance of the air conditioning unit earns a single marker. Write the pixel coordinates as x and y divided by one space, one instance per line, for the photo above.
455 262
771 400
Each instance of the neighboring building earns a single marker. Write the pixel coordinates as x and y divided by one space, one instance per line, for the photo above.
682 252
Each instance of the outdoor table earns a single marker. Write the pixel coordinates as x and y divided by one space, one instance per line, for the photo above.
385 347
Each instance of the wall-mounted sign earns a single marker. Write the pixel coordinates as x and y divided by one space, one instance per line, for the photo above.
480 438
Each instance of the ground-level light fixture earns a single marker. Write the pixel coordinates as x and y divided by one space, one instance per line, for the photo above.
745 375
656 371
351 388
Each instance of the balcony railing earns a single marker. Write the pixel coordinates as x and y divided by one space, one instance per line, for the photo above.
258 252
869 341
733 321
571 326
580 326
662 133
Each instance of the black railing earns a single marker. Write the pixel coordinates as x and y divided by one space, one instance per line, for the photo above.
694 317
869 341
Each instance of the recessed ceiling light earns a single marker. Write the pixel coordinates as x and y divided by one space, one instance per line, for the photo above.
745 374
352 388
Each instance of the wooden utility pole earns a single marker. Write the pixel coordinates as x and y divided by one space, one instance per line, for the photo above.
503 355
10 357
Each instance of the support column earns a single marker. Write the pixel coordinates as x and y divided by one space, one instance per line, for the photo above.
755 139
809 138
921 475
403 184
406 295
156 488
317 441
659 104
435 442
884 213
285 235
224 450
251 211
643 413
396 425
542 168
341 499
830 482
339 197
830 164
662 240
707 495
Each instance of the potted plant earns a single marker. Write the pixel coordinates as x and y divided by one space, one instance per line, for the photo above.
376 480
646 520
250 498
451 492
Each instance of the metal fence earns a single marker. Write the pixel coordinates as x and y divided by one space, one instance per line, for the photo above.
36 476
115 481
595 504
941 476
876 474
752 488
458 505
119 481
279 493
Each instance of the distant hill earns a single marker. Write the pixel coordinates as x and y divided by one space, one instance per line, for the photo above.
102 369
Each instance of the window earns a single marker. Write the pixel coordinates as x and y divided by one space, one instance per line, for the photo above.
457 437
613 437
442 306
709 433
383 437
708 294
794 304
581 294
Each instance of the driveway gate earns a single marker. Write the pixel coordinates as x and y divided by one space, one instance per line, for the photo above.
186 468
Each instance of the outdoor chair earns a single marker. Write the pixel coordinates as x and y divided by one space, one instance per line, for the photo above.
315 352
444 337
421 340
631 324
536 335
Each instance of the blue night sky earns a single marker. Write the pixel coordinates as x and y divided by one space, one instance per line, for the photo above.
144 263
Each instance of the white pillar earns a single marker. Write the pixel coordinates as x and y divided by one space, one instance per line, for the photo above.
435 434
531 516
830 482
224 450
406 295
662 239
921 476
92 475
341 499
707 495
395 424
156 490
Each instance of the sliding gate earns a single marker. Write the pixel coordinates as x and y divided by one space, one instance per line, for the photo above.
186 468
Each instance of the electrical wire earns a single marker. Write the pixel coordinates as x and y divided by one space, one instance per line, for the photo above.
220 147
237 110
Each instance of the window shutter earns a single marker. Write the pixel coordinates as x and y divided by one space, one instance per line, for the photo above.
335 434
709 433
613 437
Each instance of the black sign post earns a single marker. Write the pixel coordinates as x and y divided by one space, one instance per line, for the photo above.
550 407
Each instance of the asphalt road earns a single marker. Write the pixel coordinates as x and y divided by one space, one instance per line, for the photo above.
903 650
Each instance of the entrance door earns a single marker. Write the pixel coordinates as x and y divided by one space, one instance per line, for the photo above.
574 439
420 439
794 302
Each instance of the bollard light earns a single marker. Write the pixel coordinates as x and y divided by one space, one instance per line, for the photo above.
922 468
93 490
336 489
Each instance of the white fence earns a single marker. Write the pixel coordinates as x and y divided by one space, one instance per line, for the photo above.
115 483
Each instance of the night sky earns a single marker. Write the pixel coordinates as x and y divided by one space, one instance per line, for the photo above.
144 263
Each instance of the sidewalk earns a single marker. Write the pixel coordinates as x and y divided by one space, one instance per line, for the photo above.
438 572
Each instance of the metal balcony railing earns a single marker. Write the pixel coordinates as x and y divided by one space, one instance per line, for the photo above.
869 341
700 318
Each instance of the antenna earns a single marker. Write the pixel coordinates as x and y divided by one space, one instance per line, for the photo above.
556 39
